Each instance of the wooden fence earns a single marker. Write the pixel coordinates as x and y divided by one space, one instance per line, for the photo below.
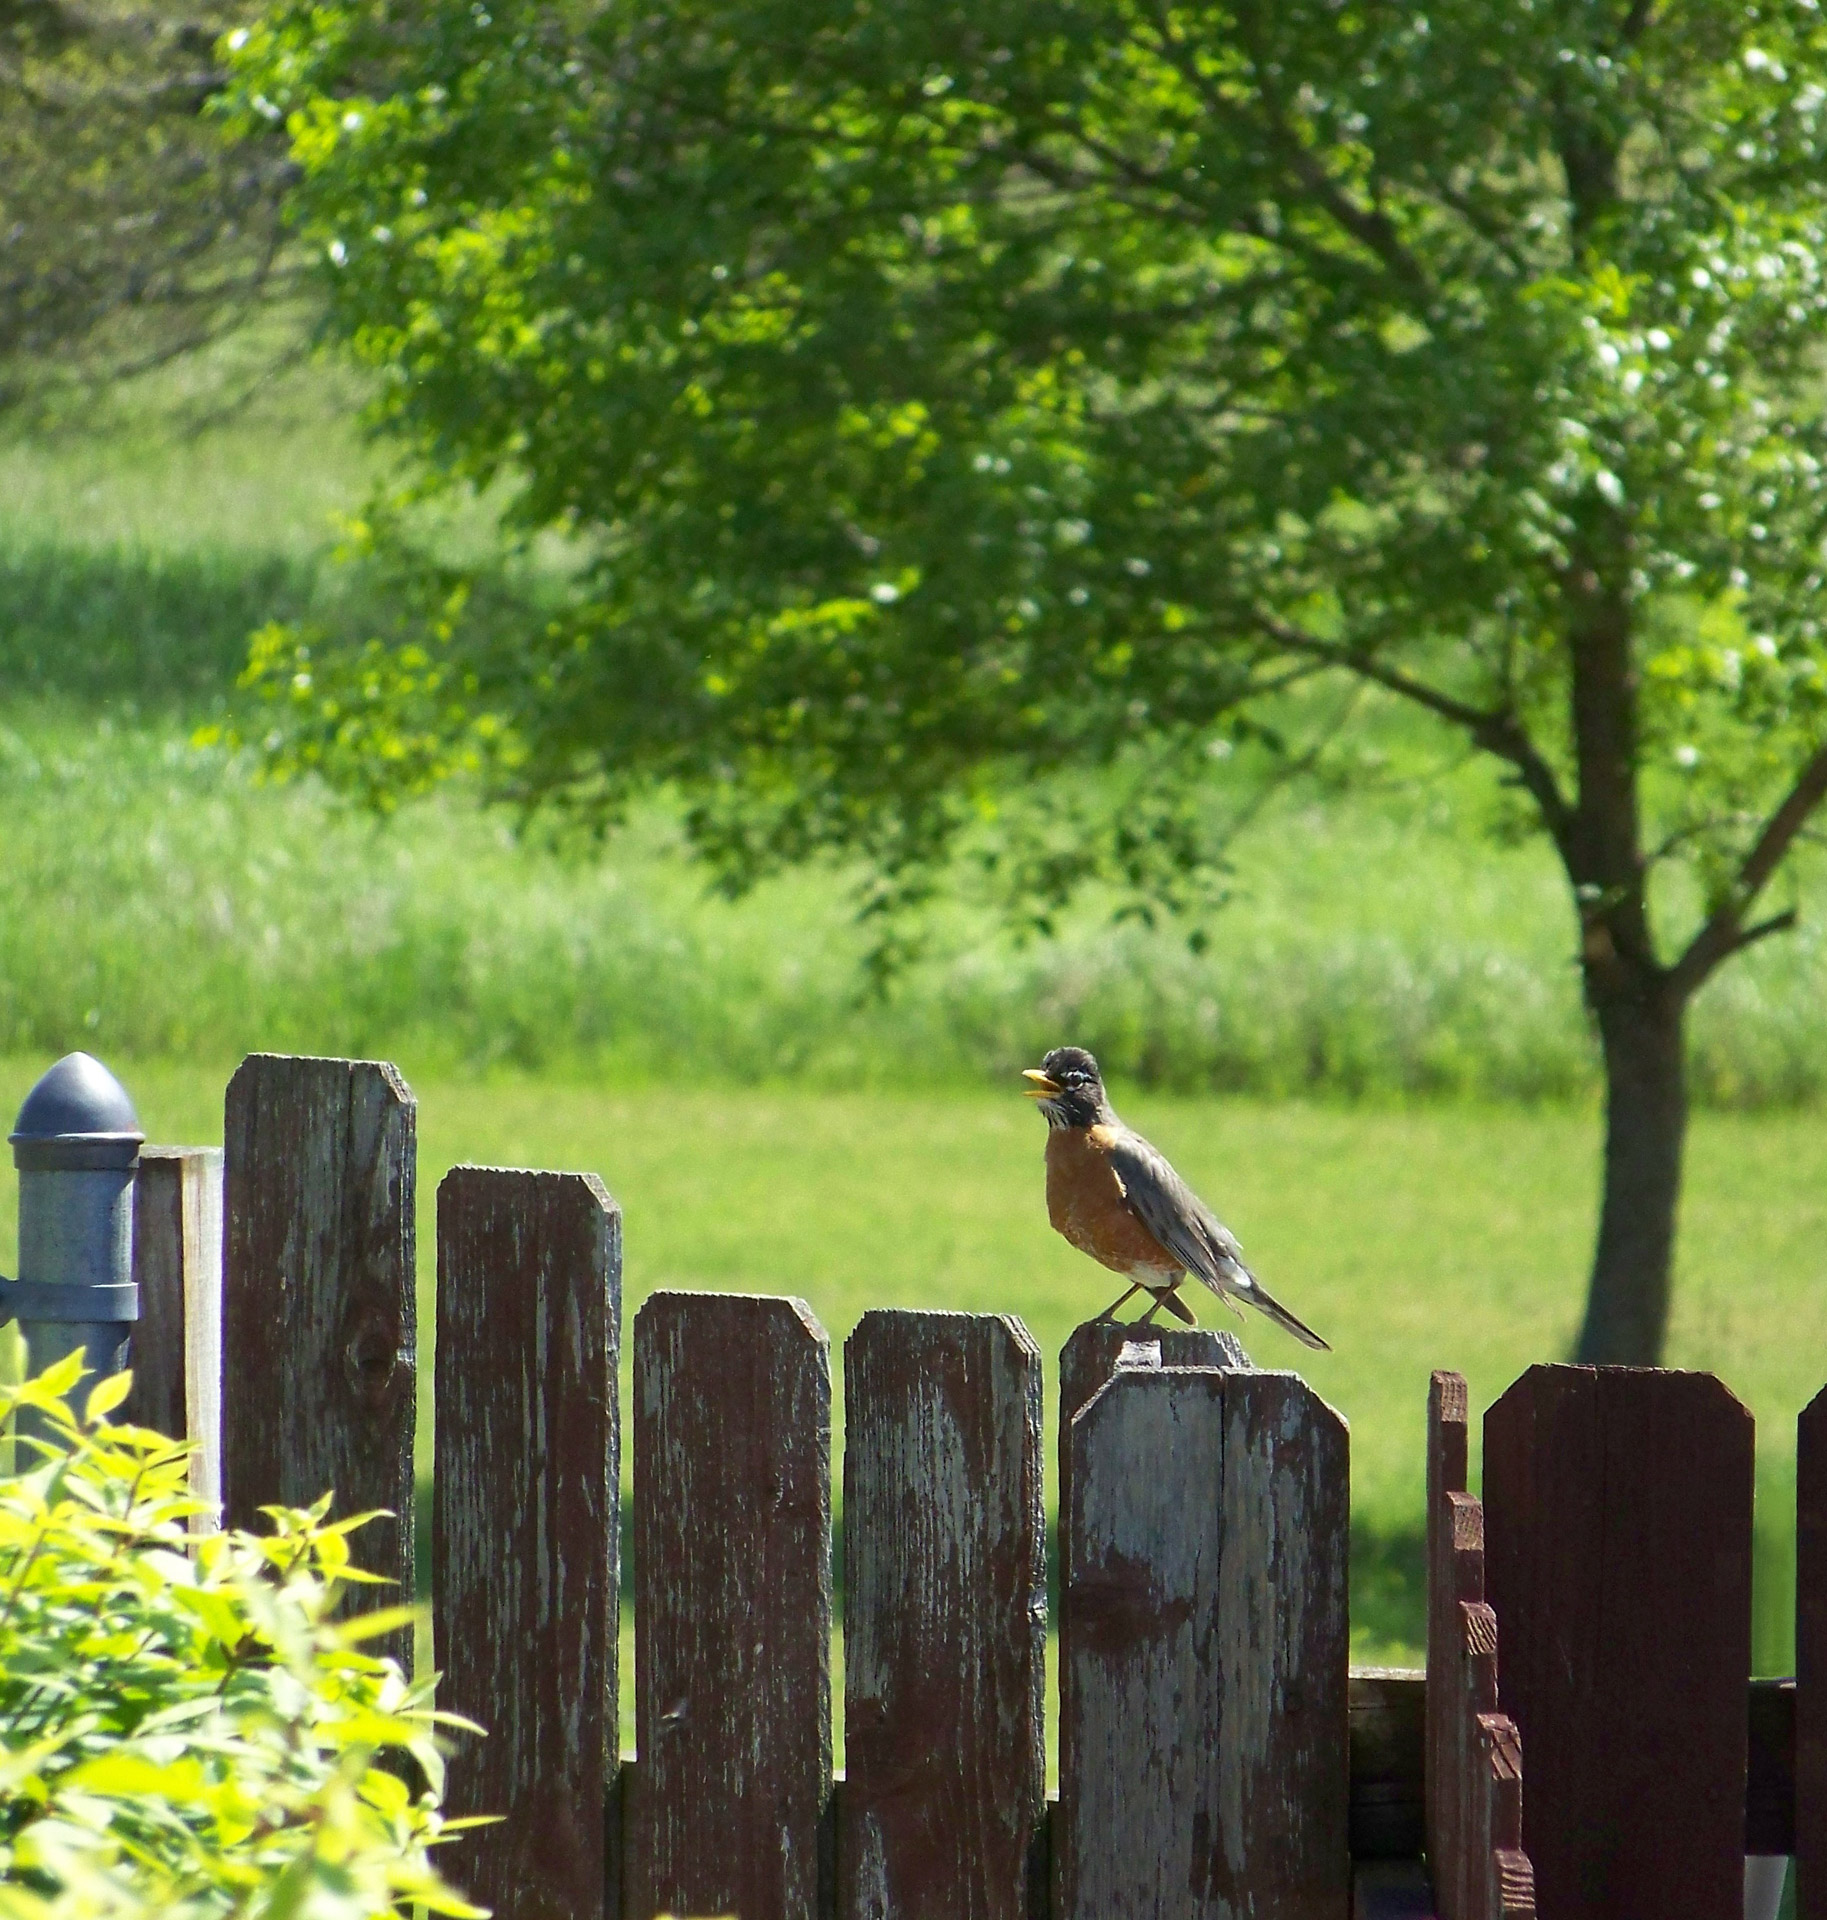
1591 1617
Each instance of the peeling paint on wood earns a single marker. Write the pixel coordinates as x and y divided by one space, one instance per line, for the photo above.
319 1321
526 1600
732 1559
1204 1756
1618 1559
944 1618
177 1340
1092 1353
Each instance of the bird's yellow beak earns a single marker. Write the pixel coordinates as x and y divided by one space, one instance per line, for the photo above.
1043 1088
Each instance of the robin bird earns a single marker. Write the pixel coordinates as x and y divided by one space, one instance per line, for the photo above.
1116 1198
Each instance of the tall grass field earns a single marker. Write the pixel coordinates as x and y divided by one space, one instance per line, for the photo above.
1378 1071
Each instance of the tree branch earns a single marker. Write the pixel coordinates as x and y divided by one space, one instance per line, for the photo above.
1762 930
1494 729
1370 227
1725 933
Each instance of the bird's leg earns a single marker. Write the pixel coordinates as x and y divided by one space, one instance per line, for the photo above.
1109 1312
1168 1297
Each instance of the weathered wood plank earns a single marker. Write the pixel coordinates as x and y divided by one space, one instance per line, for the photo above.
177 1340
1462 1873
526 1596
319 1317
1513 1885
1204 1750
1388 1740
1455 1581
1093 1351
1503 1887
1461 1880
1810 1834
1387 1719
944 1618
1618 1558
732 1558
1449 1436
1448 1452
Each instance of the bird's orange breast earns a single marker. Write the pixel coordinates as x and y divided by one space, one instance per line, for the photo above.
1085 1204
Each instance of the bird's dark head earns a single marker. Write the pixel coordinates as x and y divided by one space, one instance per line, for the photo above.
1069 1088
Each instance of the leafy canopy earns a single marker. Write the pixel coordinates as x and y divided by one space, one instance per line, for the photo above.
940 394
186 1727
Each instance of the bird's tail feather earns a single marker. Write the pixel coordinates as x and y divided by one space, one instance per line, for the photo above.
1259 1296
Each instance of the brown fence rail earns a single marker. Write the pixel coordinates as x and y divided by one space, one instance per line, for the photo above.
1586 1735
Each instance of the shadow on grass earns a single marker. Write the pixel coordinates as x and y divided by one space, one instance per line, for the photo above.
1388 1595
115 627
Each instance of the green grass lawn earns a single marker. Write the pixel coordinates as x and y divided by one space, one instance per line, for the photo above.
1413 1240
715 1064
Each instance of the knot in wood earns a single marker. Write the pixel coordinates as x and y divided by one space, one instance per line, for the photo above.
372 1360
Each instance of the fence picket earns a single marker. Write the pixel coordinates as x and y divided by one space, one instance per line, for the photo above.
1455 1585
1811 1661
1093 1348
732 1559
1618 1558
1461 1879
177 1340
319 1317
944 1618
1448 1446
1502 1886
1204 1749
526 1600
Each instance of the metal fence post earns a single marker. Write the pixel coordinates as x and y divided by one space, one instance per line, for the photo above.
76 1143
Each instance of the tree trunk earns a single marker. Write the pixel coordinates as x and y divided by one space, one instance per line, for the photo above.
1645 1124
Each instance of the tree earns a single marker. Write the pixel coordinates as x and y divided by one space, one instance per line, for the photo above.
944 394
131 229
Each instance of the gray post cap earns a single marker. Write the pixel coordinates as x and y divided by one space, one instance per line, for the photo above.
78 1117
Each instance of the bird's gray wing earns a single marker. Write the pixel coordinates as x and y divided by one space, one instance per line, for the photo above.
1173 1212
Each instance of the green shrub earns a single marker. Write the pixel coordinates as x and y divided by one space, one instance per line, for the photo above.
186 1726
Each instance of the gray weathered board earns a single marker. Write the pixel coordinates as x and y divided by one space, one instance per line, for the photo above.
732 1571
1204 1753
1618 1559
1093 1351
944 1618
177 1340
525 1551
319 1325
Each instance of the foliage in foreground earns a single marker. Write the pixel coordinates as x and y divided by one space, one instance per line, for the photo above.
186 1728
